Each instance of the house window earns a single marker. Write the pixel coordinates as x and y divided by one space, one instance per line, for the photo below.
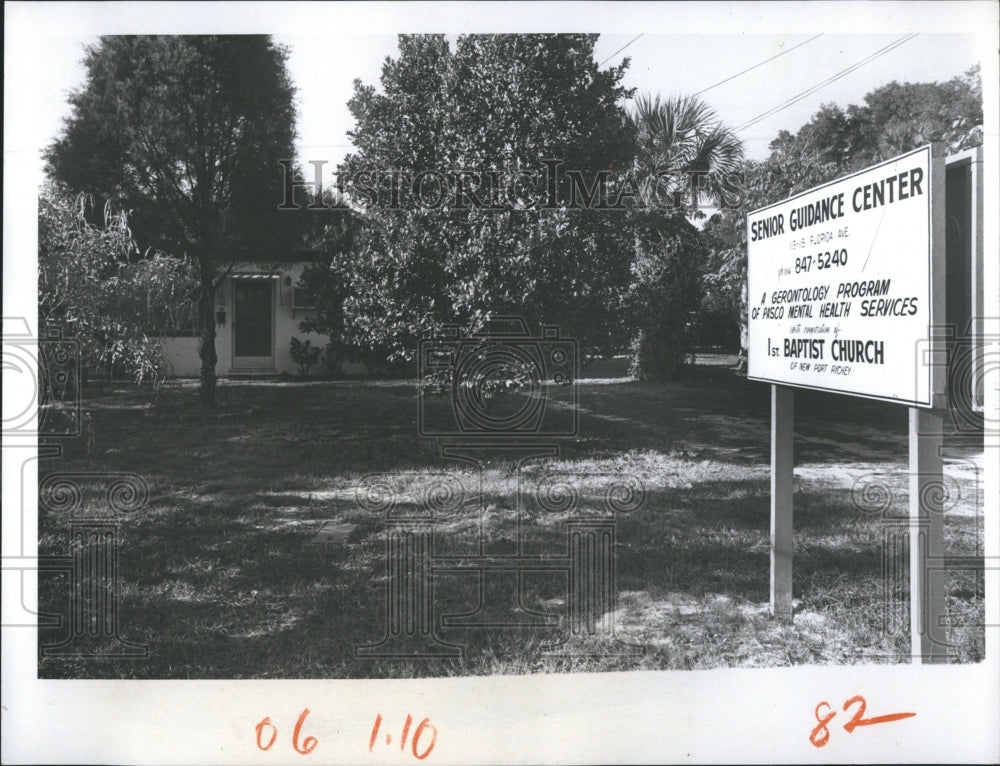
302 300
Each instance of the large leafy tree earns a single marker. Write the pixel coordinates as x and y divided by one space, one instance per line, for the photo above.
893 119
496 108
185 133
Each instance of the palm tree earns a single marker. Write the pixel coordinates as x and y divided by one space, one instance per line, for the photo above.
683 157
682 146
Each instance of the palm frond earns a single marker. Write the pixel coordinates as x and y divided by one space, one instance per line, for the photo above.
679 136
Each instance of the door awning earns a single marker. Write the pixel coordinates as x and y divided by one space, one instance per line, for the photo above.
255 275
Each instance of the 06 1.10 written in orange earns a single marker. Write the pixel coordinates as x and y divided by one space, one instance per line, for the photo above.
423 741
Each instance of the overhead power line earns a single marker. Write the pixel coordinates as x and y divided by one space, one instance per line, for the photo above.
828 81
751 68
621 49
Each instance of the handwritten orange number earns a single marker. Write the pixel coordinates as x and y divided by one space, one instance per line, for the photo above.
857 720
260 729
421 727
307 746
309 743
378 722
820 734
416 739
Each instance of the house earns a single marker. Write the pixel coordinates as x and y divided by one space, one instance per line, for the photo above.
258 309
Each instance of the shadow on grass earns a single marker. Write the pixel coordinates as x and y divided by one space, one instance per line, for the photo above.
223 577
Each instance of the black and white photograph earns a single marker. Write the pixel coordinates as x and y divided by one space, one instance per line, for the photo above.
556 382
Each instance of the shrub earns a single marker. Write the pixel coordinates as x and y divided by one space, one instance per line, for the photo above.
305 355
98 288
333 357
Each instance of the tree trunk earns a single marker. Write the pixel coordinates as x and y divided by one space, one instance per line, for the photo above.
206 315
659 347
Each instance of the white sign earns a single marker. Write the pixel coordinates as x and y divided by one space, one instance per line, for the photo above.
840 288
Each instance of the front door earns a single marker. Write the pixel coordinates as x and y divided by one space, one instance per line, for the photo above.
252 324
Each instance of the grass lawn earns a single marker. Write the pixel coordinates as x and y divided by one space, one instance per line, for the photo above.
254 559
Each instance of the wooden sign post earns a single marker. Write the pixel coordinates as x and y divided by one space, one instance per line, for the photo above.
927 581
782 466
928 640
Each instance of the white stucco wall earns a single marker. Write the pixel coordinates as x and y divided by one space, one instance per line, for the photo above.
182 353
